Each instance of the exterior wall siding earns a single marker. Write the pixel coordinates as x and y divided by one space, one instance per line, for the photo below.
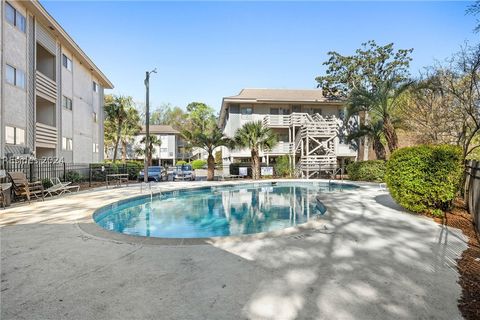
19 106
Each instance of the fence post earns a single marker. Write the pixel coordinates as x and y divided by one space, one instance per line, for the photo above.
31 171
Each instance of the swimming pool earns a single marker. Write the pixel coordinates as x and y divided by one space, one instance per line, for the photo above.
218 211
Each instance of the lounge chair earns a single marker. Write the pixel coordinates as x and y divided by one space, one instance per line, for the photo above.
24 189
59 187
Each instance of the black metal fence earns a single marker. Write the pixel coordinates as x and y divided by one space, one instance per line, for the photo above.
472 190
73 172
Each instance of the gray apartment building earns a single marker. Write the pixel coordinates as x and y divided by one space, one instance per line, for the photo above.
51 92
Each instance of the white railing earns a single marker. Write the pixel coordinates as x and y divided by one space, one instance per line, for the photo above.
45 136
45 87
276 120
281 148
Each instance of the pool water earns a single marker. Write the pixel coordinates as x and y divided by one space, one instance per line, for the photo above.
218 211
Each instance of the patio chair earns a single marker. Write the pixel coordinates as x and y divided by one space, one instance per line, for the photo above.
24 189
59 187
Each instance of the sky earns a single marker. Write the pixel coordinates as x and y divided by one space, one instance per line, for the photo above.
204 51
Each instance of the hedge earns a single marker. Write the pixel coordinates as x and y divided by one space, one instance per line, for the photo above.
371 170
425 178
198 164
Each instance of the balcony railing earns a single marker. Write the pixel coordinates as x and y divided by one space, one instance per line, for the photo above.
281 148
46 87
276 120
45 136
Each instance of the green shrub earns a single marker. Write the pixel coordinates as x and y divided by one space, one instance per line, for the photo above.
46 183
73 176
283 167
180 162
371 170
425 178
198 164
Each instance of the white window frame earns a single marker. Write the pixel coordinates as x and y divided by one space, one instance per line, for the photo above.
67 63
17 132
20 25
67 144
65 103
16 75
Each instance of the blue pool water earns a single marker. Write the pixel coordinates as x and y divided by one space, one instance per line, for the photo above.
218 211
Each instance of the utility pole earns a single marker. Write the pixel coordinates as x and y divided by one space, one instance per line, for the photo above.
147 124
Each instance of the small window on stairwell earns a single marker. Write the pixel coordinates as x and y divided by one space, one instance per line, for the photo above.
14 135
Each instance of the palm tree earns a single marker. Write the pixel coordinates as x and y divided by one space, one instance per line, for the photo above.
116 113
374 131
382 103
207 140
256 137
131 127
152 142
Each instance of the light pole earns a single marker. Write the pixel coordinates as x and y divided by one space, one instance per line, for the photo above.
147 123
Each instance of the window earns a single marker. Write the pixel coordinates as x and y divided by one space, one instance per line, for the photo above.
15 18
95 86
94 114
67 62
95 148
10 76
15 76
67 144
67 103
246 110
14 135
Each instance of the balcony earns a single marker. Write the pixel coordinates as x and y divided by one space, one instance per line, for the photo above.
281 148
277 121
45 136
45 87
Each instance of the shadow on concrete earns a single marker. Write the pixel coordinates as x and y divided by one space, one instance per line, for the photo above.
386 200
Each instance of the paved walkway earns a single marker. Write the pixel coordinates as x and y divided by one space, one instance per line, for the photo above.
365 260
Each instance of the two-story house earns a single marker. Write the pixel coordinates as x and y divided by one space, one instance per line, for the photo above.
51 93
306 123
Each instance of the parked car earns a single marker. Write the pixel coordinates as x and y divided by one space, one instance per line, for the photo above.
183 172
155 173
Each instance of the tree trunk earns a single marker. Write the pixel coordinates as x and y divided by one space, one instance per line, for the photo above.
124 150
366 140
255 165
379 149
117 141
211 167
390 135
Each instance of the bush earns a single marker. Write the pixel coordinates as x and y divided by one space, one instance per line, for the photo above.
198 164
425 178
283 168
46 183
371 170
73 176
180 162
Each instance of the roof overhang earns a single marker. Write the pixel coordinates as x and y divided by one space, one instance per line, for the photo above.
56 29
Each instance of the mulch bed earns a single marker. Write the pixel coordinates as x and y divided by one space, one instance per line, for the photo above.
468 264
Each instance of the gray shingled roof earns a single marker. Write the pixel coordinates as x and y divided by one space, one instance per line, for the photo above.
280 95
160 129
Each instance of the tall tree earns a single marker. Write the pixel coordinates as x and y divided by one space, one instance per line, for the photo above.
131 127
116 111
474 10
153 141
256 137
374 130
208 140
200 116
370 65
383 103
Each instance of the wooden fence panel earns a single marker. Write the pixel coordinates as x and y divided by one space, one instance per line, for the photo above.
472 190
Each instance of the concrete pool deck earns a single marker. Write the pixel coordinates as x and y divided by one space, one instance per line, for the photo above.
366 259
